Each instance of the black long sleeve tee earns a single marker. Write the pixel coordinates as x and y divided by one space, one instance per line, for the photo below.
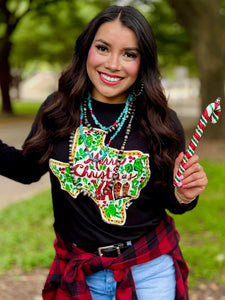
135 205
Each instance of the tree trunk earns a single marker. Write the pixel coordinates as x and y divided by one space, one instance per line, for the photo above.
9 20
5 82
206 28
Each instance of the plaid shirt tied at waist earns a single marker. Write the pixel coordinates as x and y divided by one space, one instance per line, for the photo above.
66 279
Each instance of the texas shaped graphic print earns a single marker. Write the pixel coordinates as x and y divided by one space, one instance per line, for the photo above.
94 177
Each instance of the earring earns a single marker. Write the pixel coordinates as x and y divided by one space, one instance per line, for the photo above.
138 90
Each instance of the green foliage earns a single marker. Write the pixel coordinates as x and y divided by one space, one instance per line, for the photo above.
26 234
173 42
17 7
48 32
202 230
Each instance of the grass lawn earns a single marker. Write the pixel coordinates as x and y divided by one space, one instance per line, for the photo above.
22 108
202 230
26 233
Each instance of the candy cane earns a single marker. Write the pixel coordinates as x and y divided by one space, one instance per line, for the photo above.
212 113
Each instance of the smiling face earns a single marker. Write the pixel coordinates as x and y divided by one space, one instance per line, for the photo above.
113 62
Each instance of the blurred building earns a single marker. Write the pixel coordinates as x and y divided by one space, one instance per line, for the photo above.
39 86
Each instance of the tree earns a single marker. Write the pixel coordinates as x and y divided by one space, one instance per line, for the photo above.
204 21
9 20
173 42
55 28
39 30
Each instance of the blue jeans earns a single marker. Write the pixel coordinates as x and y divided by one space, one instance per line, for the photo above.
154 280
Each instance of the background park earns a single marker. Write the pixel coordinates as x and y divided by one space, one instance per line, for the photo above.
37 39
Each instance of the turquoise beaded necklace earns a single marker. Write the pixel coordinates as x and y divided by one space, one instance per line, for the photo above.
117 125
121 117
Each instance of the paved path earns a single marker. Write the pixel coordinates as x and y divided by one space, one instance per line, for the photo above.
14 133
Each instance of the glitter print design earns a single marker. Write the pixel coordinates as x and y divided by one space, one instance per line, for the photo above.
93 177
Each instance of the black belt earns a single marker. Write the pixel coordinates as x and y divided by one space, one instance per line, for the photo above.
109 251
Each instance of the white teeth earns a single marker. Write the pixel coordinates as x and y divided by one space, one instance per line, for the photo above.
110 78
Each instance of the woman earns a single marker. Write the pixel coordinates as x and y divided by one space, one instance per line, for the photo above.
112 146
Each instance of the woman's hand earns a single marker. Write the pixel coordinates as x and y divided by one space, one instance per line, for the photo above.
193 180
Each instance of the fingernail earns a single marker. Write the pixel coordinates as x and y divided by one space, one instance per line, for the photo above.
180 154
184 186
186 165
181 177
179 184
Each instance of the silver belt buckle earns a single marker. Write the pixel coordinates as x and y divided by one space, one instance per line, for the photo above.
117 247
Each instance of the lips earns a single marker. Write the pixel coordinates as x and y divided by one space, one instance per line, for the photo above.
109 78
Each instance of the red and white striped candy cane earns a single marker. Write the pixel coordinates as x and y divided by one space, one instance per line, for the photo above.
212 113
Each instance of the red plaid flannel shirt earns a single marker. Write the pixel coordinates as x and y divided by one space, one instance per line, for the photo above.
66 279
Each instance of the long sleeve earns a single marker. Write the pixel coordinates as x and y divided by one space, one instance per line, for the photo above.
175 207
16 166
19 167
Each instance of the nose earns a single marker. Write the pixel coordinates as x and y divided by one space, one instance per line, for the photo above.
113 62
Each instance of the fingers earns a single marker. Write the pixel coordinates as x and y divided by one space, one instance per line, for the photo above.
193 179
195 169
191 161
193 185
192 165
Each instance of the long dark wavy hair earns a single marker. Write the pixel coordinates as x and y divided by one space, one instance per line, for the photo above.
61 116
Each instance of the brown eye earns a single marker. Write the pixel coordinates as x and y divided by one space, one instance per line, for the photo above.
102 48
130 55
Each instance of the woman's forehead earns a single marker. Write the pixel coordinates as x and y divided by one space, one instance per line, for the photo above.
115 31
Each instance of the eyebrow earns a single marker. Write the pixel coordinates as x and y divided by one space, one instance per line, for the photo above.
109 45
